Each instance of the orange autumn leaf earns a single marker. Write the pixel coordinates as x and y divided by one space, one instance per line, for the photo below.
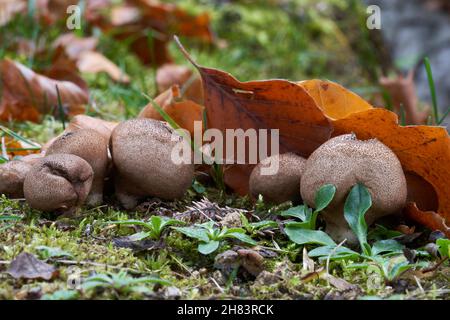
403 92
27 95
183 112
335 101
151 23
269 104
75 53
430 219
13 147
190 84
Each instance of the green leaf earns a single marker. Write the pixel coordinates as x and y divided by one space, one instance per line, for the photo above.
305 236
336 253
198 187
241 237
299 212
398 269
264 224
133 223
302 225
209 225
49 252
192 232
10 218
3 159
432 89
443 247
380 232
324 196
139 236
386 246
208 247
356 206
62 295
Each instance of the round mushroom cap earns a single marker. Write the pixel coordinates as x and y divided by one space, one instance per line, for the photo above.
91 146
12 176
345 161
142 156
59 182
282 184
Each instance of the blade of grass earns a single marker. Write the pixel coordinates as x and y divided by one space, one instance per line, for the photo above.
4 153
19 137
60 108
426 61
217 167
402 115
444 116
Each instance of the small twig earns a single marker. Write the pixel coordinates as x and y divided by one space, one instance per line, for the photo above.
419 285
333 252
181 264
437 265
274 249
217 285
96 264
4 153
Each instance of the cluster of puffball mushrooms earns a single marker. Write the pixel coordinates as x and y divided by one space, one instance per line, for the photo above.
136 156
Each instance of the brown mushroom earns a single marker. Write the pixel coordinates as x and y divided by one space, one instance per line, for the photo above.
345 161
58 183
91 146
12 175
142 155
281 186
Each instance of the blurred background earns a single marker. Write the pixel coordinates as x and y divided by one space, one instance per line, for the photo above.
252 40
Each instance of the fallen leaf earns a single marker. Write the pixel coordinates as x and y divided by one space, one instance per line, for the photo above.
77 53
335 101
170 74
27 266
171 19
430 219
307 263
124 14
151 24
10 8
74 45
402 90
183 112
94 62
137 246
28 95
52 11
339 283
278 104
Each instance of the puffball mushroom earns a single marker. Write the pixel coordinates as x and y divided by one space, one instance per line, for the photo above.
12 176
141 150
91 146
281 186
59 183
345 161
